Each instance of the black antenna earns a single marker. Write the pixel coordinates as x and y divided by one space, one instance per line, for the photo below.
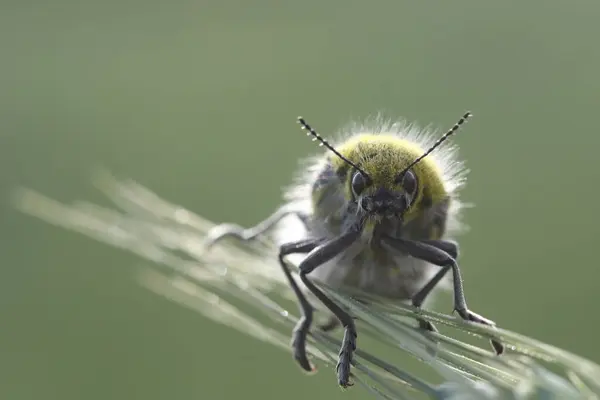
323 142
441 140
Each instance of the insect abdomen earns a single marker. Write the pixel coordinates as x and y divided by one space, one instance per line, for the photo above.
378 273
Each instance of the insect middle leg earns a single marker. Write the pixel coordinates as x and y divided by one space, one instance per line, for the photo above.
433 254
449 247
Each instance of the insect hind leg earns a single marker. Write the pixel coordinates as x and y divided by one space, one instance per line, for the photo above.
222 231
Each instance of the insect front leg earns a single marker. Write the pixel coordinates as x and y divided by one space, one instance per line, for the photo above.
436 256
222 231
317 257
303 325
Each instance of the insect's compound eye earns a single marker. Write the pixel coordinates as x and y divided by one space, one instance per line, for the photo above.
359 183
409 182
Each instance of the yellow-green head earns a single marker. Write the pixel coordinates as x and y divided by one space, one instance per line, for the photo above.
384 175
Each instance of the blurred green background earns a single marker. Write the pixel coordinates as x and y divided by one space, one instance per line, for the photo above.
197 100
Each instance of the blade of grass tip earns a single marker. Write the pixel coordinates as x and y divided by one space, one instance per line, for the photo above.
192 242
34 204
95 222
155 253
150 231
124 195
169 235
37 205
181 266
143 200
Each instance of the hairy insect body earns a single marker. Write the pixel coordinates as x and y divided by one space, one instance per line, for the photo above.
376 272
329 209
375 216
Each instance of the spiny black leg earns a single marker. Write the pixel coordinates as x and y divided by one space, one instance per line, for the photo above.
317 257
349 341
302 327
436 256
449 247
219 232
